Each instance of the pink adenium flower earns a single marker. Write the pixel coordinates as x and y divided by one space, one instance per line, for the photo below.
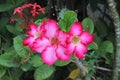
34 33
78 40
52 46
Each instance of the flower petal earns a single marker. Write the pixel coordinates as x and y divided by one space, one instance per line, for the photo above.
76 28
41 26
86 37
33 29
62 36
40 44
70 49
80 50
28 41
49 56
51 28
61 53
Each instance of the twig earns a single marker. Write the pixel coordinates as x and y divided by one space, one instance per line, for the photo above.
102 68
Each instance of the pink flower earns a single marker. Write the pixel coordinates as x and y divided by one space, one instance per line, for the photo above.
52 46
78 40
34 33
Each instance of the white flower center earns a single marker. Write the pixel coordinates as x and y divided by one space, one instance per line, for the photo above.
75 40
37 35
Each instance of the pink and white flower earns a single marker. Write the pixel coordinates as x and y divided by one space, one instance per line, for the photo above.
34 33
78 40
52 46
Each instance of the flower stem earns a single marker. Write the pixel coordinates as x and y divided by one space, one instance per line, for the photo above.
80 66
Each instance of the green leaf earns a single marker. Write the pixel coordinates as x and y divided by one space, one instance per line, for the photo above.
69 18
26 66
20 49
3 22
7 59
62 25
62 13
88 25
107 46
43 72
36 61
37 22
2 72
5 7
93 46
12 29
62 63
17 27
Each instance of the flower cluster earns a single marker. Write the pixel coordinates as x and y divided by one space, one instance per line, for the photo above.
53 44
34 9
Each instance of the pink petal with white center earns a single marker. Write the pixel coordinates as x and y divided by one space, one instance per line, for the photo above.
80 50
49 56
40 44
61 53
51 28
28 41
70 49
86 37
76 28
33 29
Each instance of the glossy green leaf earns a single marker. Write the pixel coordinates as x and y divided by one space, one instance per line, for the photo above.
43 72
7 59
12 29
5 7
3 22
20 49
36 60
88 25
69 18
62 25
62 63
26 66
2 71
